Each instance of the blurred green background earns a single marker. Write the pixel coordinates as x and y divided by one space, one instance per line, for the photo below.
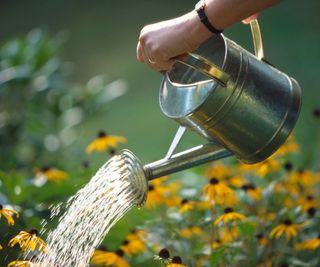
102 37
99 38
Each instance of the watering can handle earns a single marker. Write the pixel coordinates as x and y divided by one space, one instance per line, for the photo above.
212 70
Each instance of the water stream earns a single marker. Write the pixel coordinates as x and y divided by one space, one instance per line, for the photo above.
118 185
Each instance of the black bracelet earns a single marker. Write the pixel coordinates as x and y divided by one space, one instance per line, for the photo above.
204 19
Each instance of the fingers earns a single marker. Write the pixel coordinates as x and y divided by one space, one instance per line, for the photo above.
249 19
139 52
159 64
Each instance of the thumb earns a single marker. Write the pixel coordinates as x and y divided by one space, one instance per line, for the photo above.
249 19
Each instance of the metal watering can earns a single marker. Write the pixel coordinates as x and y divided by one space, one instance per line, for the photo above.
239 102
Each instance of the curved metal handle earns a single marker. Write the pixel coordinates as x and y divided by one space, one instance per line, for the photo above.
204 66
210 69
257 39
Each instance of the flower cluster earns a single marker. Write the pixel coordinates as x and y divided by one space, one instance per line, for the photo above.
232 214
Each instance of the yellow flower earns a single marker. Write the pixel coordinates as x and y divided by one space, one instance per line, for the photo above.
310 244
236 181
263 168
20 264
217 243
104 141
307 202
51 174
107 258
176 262
136 234
290 146
160 193
252 191
305 178
262 239
220 193
133 247
288 228
228 234
186 205
28 240
218 170
191 231
229 215
1 247
8 214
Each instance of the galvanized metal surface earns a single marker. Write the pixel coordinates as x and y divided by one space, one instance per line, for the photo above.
252 115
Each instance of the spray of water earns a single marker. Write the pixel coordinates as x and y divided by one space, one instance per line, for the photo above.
116 187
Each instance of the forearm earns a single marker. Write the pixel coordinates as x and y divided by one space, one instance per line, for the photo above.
224 13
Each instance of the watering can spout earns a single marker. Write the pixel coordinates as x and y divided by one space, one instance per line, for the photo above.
184 160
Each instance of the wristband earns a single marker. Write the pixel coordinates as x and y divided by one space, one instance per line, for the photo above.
199 8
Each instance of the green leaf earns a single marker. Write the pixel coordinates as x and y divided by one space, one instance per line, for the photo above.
216 256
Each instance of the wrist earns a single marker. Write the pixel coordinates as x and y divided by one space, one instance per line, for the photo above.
195 30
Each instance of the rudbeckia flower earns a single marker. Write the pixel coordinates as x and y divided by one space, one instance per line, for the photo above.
305 178
310 244
108 258
288 228
136 234
230 215
263 168
51 174
307 202
176 262
133 247
186 205
28 240
290 146
262 239
20 264
1 247
8 214
218 170
104 141
218 192
191 231
252 191
160 193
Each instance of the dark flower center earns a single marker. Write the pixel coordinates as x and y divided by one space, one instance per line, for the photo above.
45 168
259 236
119 252
85 164
214 181
288 166
311 211
112 152
150 187
184 201
228 210
247 187
103 248
310 197
133 231
316 113
176 259
1 207
34 232
287 222
125 242
101 134
164 254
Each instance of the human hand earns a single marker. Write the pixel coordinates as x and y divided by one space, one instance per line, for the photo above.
161 42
